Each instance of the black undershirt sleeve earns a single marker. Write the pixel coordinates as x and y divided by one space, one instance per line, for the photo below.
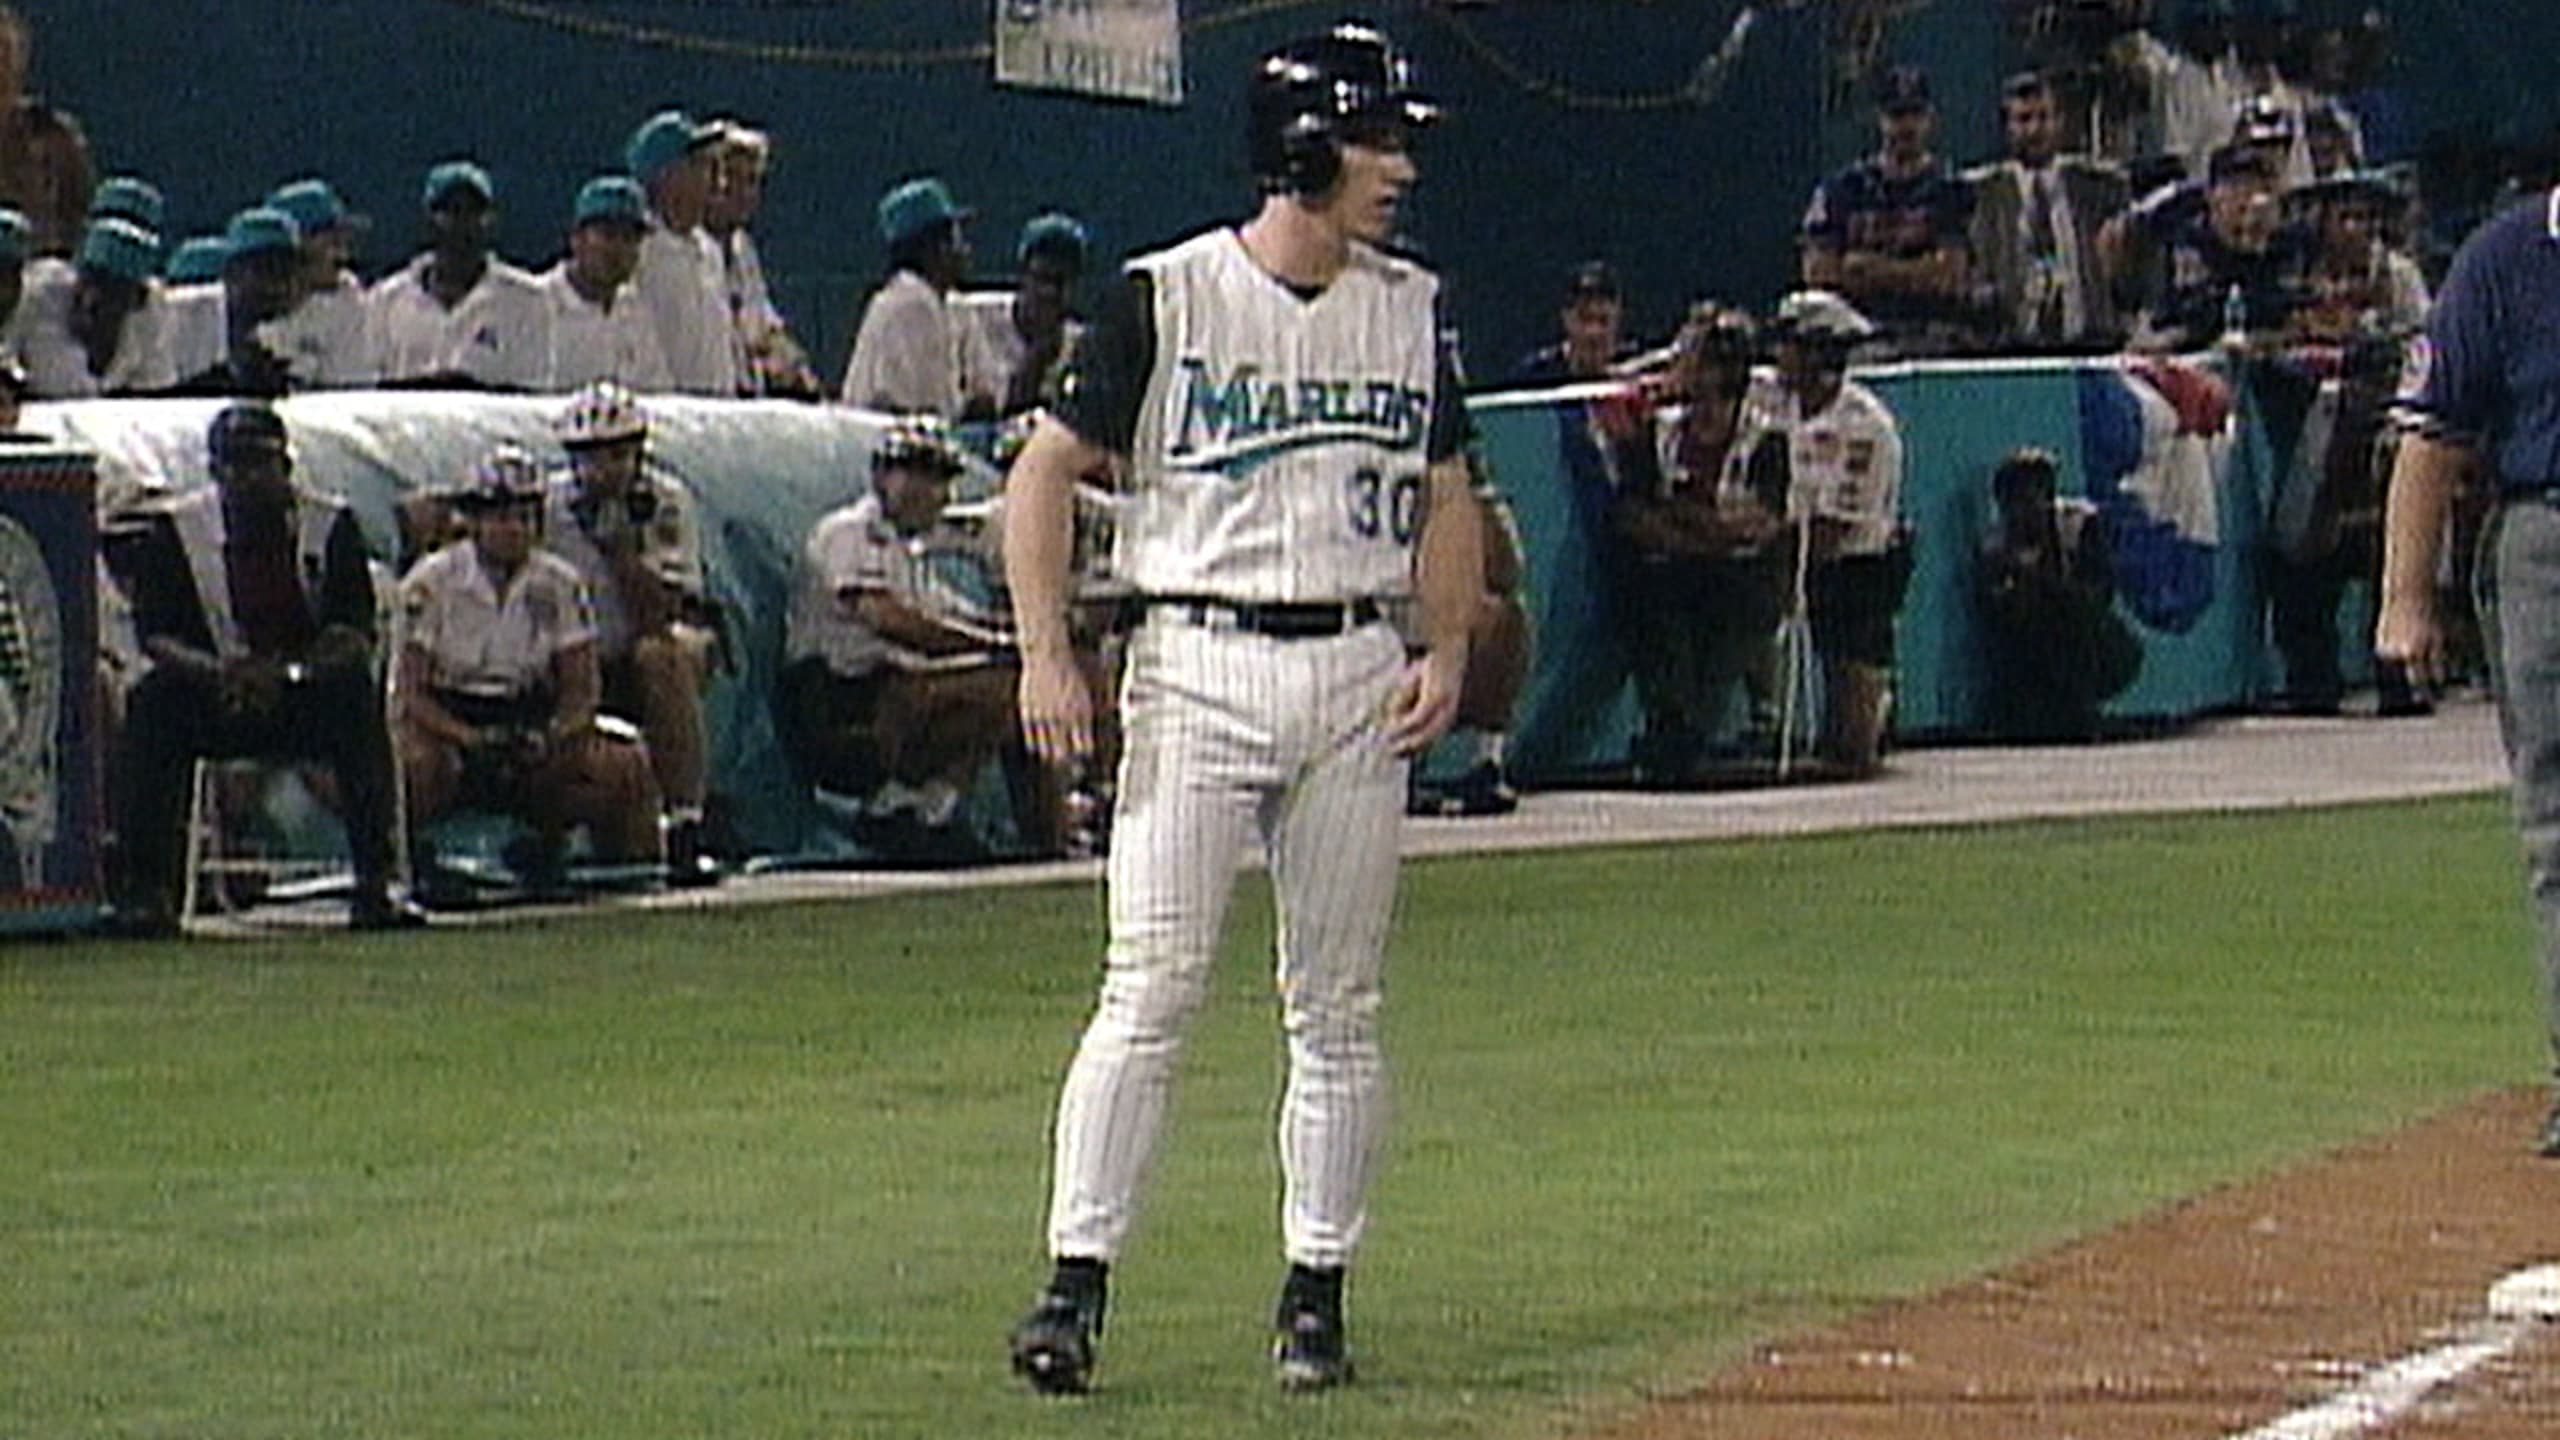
1107 379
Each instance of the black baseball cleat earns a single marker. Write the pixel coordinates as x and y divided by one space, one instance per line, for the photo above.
1054 1346
1310 1352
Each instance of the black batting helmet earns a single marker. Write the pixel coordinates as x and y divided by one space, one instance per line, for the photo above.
1311 94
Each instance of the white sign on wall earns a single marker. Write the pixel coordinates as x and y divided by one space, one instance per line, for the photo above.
1125 49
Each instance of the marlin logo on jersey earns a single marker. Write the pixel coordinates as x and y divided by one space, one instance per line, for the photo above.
1239 422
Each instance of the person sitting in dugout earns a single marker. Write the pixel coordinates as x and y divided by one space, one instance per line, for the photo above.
894 689
499 682
632 531
254 605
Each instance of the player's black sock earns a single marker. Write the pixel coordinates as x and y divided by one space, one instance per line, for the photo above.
1311 1288
1083 1280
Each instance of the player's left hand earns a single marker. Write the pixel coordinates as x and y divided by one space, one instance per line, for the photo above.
1426 700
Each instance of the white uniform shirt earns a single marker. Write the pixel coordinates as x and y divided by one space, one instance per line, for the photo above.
670 546
682 284
499 335
322 340
1844 462
195 327
480 641
1280 449
591 342
58 365
761 331
906 356
854 549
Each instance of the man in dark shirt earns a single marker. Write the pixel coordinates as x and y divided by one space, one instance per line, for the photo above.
254 605
2236 270
1889 232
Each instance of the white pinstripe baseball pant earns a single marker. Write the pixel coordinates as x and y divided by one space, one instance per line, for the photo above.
1230 734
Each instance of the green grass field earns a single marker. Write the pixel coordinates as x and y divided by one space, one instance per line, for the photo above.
779 1172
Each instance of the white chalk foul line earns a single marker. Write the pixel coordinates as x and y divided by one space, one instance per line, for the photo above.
2517 1303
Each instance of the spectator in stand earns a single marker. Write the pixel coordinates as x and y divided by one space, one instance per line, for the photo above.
261 260
458 316
2236 272
499 684
2191 84
44 159
2035 230
771 362
191 288
906 353
633 531
253 601
1889 233
91 326
321 339
681 282
2132 245
197 260
599 329
1020 338
1592 321
2329 142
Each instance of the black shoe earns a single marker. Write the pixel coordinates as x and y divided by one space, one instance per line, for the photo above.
690 863
2547 1145
1053 1347
383 912
144 919
1311 1352
1484 791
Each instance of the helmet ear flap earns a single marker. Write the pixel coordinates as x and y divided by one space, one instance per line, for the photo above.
1308 150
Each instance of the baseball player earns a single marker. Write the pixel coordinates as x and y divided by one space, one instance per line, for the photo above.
498 682
632 531
1292 431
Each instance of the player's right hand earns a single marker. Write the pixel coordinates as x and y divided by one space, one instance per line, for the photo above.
2406 631
1056 709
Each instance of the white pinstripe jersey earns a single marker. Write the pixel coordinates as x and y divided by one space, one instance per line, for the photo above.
1279 447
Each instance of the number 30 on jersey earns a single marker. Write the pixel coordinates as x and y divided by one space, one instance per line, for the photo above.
1384 508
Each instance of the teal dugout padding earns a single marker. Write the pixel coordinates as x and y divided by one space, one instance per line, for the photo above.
1958 419
764 471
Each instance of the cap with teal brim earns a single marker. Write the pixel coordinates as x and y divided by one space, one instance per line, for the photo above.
128 197
315 206
609 198
200 259
662 140
120 248
454 177
258 230
916 206
1056 234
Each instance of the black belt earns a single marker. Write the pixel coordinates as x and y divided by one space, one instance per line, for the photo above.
1281 620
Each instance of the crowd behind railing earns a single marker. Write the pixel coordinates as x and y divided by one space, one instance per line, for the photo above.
2212 191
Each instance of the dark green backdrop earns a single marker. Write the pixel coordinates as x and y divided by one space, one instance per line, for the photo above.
1551 155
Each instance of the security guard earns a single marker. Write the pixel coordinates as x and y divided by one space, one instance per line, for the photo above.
499 681
631 530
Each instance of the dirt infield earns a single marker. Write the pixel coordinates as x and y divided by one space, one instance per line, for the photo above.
2206 1320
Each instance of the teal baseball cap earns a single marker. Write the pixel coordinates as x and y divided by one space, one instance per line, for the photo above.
257 230
917 205
120 248
14 235
128 197
198 260
662 140
453 177
610 198
315 206
1056 234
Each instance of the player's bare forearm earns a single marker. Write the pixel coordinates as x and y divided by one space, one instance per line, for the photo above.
2424 479
1449 590
1039 546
